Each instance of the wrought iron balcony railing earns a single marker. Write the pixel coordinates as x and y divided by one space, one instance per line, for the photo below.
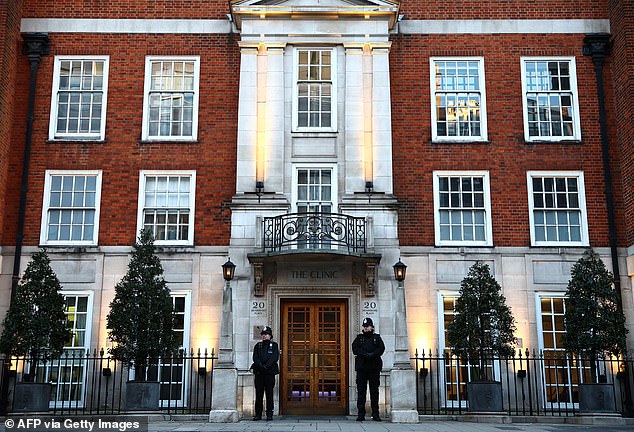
324 231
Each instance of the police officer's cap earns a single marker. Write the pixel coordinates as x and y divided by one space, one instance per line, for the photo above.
367 322
267 330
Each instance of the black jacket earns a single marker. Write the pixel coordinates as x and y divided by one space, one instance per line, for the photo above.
265 357
368 349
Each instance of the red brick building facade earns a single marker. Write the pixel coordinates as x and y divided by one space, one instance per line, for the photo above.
482 141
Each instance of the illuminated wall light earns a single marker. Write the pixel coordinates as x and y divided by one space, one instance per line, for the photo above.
422 337
262 69
368 167
204 339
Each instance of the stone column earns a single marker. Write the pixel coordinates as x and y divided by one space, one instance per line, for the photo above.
224 398
247 118
275 103
402 375
354 120
382 118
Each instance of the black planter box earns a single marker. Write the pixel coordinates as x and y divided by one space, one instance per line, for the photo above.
31 397
142 395
484 397
596 399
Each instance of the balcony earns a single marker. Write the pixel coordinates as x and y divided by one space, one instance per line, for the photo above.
314 231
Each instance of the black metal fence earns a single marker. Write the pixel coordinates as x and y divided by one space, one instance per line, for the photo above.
95 383
533 384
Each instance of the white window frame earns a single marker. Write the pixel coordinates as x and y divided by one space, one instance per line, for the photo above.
538 310
146 93
483 114
182 402
334 81
442 345
575 100
46 207
540 341
52 129
69 362
582 207
192 204
333 186
487 208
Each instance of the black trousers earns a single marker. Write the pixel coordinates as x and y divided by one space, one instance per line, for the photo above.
264 384
363 379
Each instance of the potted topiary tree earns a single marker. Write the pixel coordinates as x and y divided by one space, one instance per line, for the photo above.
141 322
595 327
483 327
35 327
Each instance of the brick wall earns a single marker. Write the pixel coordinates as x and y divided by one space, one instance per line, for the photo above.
506 156
622 58
413 9
500 9
9 45
168 9
123 155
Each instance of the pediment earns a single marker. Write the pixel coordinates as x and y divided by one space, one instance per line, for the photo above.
293 9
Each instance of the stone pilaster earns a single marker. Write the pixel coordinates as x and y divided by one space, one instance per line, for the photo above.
402 375
224 400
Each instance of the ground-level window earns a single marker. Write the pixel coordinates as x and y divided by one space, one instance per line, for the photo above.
456 374
456 370
173 373
68 373
561 375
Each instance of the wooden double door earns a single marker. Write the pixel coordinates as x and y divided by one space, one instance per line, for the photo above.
314 367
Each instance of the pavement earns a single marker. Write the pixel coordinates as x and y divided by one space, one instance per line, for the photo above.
349 424
198 423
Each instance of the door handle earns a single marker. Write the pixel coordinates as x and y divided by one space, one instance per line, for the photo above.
314 360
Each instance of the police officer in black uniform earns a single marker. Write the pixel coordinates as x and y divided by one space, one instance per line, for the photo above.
368 347
265 356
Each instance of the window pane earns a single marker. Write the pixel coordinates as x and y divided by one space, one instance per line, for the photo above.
314 89
71 212
480 233
79 111
444 217
540 233
458 114
553 103
167 204
560 194
171 113
461 195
